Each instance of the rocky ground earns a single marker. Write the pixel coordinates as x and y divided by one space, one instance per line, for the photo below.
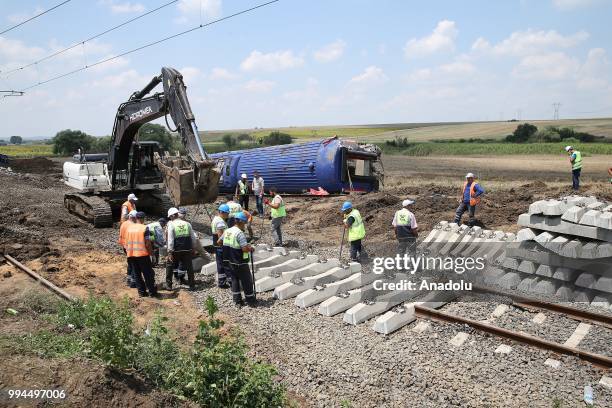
322 361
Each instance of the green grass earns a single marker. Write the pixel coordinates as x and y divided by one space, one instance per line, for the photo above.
492 149
27 150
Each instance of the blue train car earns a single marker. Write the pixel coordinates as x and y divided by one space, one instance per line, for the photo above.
335 165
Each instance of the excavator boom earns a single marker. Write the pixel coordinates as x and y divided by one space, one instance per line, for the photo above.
190 179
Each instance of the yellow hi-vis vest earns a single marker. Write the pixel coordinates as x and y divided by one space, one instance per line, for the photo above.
577 164
232 251
403 218
280 211
151 228
357 229
242 187
216 220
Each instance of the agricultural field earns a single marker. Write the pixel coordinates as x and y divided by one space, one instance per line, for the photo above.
27 150
494 149
420 132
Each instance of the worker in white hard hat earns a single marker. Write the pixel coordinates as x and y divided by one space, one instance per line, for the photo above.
575 159
405 228
131 218
242 191
181 244
235 208
128 206
469 199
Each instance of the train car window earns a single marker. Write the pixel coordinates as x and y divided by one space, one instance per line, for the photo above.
359 167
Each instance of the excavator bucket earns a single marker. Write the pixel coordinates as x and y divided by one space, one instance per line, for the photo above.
188 182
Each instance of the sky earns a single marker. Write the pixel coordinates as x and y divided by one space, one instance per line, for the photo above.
311 62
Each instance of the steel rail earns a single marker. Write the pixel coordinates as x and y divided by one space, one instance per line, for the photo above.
530 303
594 358
46 283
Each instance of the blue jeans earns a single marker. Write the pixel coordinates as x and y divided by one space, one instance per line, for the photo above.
259 202
576 178
463 207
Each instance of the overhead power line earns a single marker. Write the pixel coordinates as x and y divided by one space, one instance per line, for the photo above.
32 18
90 38
150 44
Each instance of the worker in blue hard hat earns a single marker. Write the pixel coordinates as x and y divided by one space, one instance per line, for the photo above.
356 230
236 255
218 227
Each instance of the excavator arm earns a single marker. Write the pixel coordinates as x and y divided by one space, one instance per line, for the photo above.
189 179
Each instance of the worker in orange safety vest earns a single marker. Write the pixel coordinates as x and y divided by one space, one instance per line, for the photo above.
469 199
128 206
138 248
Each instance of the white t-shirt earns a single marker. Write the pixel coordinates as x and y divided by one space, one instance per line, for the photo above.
258 185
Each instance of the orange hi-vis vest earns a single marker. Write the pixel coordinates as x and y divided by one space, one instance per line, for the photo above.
130 207
473 199
122 232
135 245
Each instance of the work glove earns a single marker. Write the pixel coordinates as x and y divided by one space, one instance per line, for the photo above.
266 201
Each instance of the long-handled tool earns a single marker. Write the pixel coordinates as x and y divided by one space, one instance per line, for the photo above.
263 220
342 243
253 275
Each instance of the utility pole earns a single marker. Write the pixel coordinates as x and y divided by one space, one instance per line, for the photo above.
556 107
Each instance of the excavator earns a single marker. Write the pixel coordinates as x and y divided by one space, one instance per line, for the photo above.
159 180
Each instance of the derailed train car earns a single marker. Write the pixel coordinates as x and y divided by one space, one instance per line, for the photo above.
336 165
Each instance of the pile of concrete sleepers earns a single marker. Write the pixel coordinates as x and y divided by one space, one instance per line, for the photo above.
564 251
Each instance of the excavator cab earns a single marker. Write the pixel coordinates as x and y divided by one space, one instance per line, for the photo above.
143 167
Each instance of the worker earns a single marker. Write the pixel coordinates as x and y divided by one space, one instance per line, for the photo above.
218 227
406 229
235 208
249 223
242 191
258 191
127 206
575 159
610 174
469 199
158 238
356 231
236 254
121 241
181 248
138 248
182 213
278 213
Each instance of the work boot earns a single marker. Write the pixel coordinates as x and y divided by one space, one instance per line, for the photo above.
168 286
143 294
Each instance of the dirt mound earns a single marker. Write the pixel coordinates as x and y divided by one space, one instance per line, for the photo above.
37 165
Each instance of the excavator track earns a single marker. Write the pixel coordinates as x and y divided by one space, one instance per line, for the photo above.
92 209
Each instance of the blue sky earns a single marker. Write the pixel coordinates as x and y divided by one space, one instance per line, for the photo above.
315 62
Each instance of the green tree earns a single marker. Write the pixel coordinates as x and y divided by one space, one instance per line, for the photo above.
100 145
16 140
277 138
229 140
158 133
67 142
522 133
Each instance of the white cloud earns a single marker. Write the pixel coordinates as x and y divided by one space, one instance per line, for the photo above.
551 66
220 74
458 68
116 63
256 85
372 74
421 74
127 79
271 62
330 52
128 7
441 39
190 75
308 94
566 5
21 17
193 8
18 50
595 72
522 43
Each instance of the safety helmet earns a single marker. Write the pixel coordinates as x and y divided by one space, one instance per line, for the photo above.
132 214
182 210
132 197
162 221
568 148
407 202
347 205
224 208
241 216
172 211
243 175
469 175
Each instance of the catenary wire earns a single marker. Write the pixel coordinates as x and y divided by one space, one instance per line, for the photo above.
150 44
8 73
32 18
